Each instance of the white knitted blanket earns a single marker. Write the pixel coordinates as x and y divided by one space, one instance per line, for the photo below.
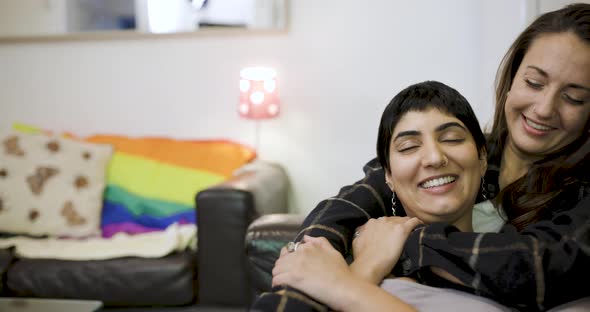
147 245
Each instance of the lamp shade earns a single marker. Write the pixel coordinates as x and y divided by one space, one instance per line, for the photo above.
258 93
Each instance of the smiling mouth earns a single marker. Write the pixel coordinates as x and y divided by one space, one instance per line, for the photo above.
437 182
537 126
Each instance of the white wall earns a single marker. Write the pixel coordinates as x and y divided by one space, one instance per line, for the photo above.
28 17
338 66
501 22
550 5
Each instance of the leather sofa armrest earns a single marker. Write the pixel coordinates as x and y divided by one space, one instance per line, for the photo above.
264 240
6 259
224 212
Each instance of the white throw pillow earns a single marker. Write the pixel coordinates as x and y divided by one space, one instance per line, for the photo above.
51 185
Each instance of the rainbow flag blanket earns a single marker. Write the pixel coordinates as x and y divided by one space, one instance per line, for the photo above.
152 182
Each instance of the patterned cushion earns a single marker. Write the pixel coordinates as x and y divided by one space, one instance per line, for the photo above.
51 185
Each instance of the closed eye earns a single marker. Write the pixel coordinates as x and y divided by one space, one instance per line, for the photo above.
572 100
534 84
407 149
454 140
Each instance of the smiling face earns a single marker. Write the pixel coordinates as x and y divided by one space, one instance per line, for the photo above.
435 167
548 105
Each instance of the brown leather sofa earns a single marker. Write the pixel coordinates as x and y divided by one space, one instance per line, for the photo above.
218 274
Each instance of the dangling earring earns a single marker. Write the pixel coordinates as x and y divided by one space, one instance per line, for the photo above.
393 206
484 192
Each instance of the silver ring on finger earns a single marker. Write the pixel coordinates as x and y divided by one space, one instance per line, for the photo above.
357 234
292 246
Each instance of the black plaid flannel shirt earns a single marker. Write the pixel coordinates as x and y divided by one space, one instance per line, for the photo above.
531 270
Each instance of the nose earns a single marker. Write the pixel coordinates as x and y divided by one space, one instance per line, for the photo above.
434 156
544 108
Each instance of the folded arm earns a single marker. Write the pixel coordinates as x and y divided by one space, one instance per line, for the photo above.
537 267
318 270
336 218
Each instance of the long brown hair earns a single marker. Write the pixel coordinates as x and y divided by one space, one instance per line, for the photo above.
527 200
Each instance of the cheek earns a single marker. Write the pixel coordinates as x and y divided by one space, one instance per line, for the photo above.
518 98
401 171
510 105
509 108
472 165
575 120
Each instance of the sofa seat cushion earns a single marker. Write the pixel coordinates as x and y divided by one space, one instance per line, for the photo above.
166 281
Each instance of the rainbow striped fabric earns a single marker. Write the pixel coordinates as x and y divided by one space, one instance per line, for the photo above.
152 182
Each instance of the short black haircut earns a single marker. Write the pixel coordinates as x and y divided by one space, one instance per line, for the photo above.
421 97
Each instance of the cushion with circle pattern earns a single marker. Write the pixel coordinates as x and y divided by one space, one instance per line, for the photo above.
51 185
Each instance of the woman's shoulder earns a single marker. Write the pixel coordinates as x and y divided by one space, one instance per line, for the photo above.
584 191
571 199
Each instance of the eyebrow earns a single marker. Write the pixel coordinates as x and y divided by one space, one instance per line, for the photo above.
542 72
438 129
449 125
546 75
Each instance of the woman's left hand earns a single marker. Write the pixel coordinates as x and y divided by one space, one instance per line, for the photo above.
379 245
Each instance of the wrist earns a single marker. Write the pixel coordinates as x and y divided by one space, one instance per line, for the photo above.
360 295
367 271
348 294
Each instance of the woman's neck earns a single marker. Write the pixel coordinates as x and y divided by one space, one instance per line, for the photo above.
513 166
465 224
